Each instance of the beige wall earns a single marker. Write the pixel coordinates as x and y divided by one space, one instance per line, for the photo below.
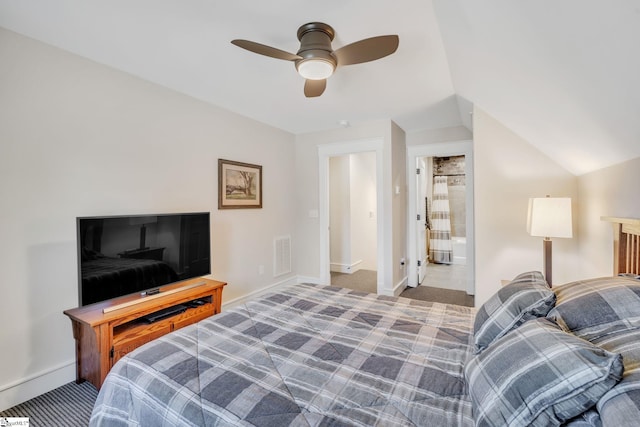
393 209
430 136
307 187
79 139
611 191
508 171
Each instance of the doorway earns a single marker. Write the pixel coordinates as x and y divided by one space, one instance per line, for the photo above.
352 221
325 153
460 266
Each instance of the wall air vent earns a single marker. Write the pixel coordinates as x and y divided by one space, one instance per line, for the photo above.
281 255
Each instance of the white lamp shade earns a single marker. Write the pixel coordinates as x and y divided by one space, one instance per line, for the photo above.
550 217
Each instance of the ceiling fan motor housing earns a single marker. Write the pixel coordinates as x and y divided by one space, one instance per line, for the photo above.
315 44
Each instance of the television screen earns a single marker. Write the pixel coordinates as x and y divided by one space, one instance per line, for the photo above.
120 255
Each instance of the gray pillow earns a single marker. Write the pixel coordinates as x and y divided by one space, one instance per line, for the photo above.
597 307
590 418
620 406
526 297
539 375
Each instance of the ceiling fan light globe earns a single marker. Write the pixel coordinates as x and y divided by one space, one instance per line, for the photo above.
315 68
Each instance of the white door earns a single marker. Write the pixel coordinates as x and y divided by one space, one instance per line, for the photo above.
421 218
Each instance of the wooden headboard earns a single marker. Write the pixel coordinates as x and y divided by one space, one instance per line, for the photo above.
626 245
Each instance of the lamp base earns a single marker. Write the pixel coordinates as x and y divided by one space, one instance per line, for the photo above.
546 248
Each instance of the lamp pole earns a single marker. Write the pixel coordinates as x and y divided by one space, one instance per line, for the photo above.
546 248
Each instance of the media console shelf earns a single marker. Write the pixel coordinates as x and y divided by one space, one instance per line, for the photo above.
106 331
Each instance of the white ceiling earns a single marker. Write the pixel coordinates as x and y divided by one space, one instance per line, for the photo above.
562 75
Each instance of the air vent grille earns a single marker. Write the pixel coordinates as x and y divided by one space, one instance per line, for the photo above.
282 256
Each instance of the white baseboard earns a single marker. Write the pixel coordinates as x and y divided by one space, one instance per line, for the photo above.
20 391
402 284
345 268
251 295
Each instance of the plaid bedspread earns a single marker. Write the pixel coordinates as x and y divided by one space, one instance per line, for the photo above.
307 355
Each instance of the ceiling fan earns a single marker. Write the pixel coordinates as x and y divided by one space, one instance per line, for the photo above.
316 60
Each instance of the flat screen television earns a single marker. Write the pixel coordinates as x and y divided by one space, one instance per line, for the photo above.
121 255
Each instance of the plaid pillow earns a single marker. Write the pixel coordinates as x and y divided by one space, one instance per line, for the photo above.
590 418
529 276
621 405
539 375
526 297
597 307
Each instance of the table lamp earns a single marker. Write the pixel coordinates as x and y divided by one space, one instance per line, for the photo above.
549 217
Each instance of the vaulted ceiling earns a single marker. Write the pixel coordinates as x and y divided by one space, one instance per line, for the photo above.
562 75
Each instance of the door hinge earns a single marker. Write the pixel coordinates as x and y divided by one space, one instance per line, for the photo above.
111 353
419 263
418 217
418 171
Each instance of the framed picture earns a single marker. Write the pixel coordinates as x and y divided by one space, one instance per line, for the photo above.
239 185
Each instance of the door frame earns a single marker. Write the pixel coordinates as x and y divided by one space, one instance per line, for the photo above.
325 152
454 148
421 244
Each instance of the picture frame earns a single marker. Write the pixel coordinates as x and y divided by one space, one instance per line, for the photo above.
239 185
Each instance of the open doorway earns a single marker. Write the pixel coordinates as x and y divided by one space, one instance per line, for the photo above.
325 153
442 192
441 238
352 222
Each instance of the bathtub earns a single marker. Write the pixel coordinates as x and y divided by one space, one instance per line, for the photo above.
459 246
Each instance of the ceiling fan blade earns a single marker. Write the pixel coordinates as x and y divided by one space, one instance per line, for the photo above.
265 50
367 50
313 88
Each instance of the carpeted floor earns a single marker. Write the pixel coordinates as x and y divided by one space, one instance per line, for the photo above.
361 280
365 280
446 296
69 405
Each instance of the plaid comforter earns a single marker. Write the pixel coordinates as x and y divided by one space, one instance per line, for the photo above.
307 355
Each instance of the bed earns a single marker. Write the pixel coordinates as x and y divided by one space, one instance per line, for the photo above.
310 355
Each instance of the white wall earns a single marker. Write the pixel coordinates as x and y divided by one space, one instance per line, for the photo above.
612 191
352 207
362 189
508 171
78 138
340 213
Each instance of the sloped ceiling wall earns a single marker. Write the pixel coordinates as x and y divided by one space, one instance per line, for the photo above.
185 46
562 75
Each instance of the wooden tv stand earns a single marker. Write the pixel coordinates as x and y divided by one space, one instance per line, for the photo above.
106 331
